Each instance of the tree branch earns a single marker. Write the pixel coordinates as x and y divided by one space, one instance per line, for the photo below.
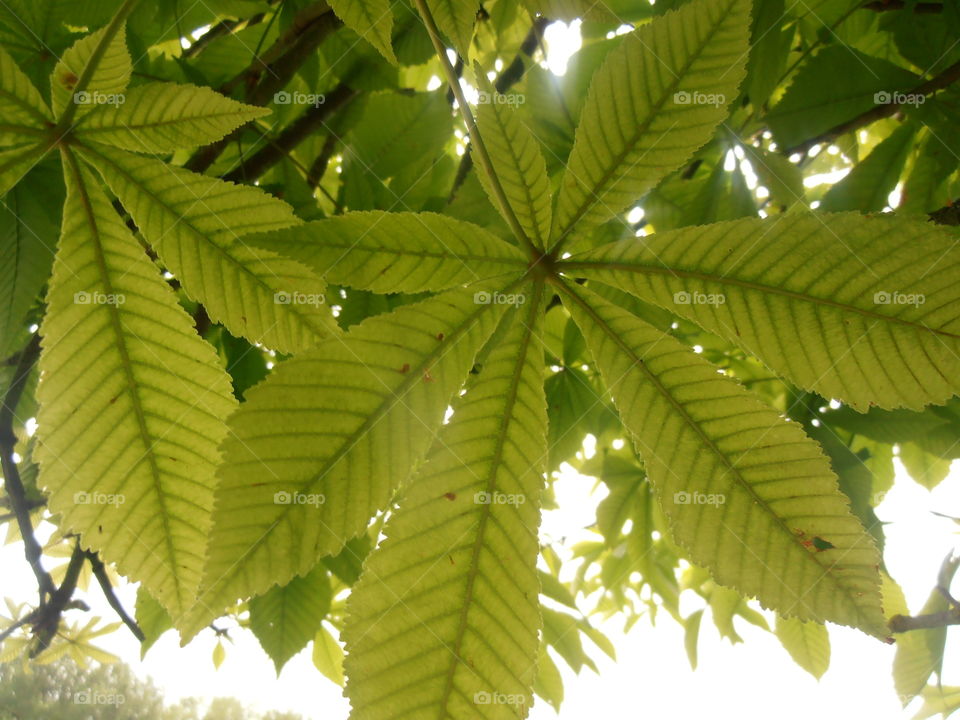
268 75
11 474
904 623
295 133
48 616
100 573
886 5
878 112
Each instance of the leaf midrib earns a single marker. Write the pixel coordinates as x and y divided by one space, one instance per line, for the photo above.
745 284
126 363
305 319
485 509
411 377
708 442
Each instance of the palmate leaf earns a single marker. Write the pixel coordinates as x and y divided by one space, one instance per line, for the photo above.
286 618
747 493
163 117
23 113
371 19
517 161
395 252
655 100
324 442
864 310
108 81
132 403
14 164
446 614
195 223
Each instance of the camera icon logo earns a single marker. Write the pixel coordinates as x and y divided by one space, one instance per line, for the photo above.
282 497
681 498
682 97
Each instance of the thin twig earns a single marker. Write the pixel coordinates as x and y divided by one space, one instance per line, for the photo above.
100 573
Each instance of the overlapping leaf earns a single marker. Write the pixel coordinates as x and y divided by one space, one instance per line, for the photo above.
23 112
655 100
132 404
371 19
163 117
517 161
747 493
865 310
395 252
444 620
324 442
195 223
107 81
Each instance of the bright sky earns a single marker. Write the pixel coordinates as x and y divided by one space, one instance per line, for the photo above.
652 678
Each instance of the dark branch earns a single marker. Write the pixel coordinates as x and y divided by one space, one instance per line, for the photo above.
11 474
886 5
878 112
48 615
904 623
295 133
268 75
319 167
100 573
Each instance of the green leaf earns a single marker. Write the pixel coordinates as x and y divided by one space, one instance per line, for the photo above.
286 618
925 468
938 700
328 656
420 124
23 113
517 161
926 188
548 683
936 429
371 19
389 252
151 618
655 100
919 652
807 642
867 187
219 654
782 178
163 117
456 18
820 97
195 223
728 470
108 81
29 226
132 404
14 164
325 441
691 636
451 595
820 299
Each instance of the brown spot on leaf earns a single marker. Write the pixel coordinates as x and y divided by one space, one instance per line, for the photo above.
450 496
